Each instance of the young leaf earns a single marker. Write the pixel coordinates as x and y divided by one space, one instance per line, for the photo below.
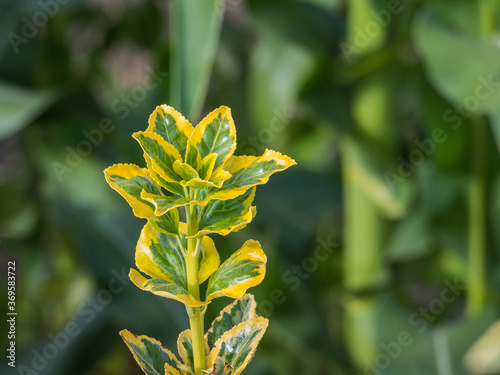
169 370
173 187
149 353
244 269
248 171
237 346
239 311
164 288
162 154
216 133
171 126
209 259
227 216
129 181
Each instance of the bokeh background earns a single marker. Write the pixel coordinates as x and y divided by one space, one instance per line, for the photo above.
383 243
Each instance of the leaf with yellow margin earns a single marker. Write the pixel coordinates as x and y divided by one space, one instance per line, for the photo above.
244 269
172 126
237 346
185 349
227 216
235 313
161 153
207 166
216 133
129 181
164 288
151 356
169 370
173 187
248 171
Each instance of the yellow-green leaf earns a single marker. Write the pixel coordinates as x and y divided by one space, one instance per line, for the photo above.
216 133
164 288
151 356
238 345
171 126
160 255
244 269
161 153
129 181
209 259
239 311
225 216
207 166
248 171
169 370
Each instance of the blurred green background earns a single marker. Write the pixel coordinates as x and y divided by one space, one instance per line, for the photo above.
383 243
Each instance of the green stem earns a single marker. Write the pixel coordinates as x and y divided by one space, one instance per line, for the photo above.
196 314
477 220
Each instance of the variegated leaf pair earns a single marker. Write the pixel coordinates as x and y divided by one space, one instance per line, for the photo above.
189 165
230 344
161 256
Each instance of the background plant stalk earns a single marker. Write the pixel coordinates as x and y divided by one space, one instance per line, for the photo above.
196 314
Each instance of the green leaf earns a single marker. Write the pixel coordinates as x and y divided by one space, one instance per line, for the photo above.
216 133
248 171
173 187
149 353
244 269
129 181
239 311
238 345
442 40
196 28
19 107
171 126
227 216
161 153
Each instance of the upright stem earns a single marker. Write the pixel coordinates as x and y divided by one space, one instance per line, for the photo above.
477 192
196 314
477 220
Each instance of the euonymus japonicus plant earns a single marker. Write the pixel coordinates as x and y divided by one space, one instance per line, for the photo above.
194 186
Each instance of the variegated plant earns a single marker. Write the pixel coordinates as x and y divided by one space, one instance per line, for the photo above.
194 186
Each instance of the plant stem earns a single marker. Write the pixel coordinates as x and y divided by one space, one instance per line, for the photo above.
196 314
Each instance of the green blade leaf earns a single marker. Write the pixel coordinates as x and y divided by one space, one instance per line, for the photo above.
171 126
227 216
248 171
244 269
196 28
185 348
164 288
149 353
239 311
238 345
216 133
129 181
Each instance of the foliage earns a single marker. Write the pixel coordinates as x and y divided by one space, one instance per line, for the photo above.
192 173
